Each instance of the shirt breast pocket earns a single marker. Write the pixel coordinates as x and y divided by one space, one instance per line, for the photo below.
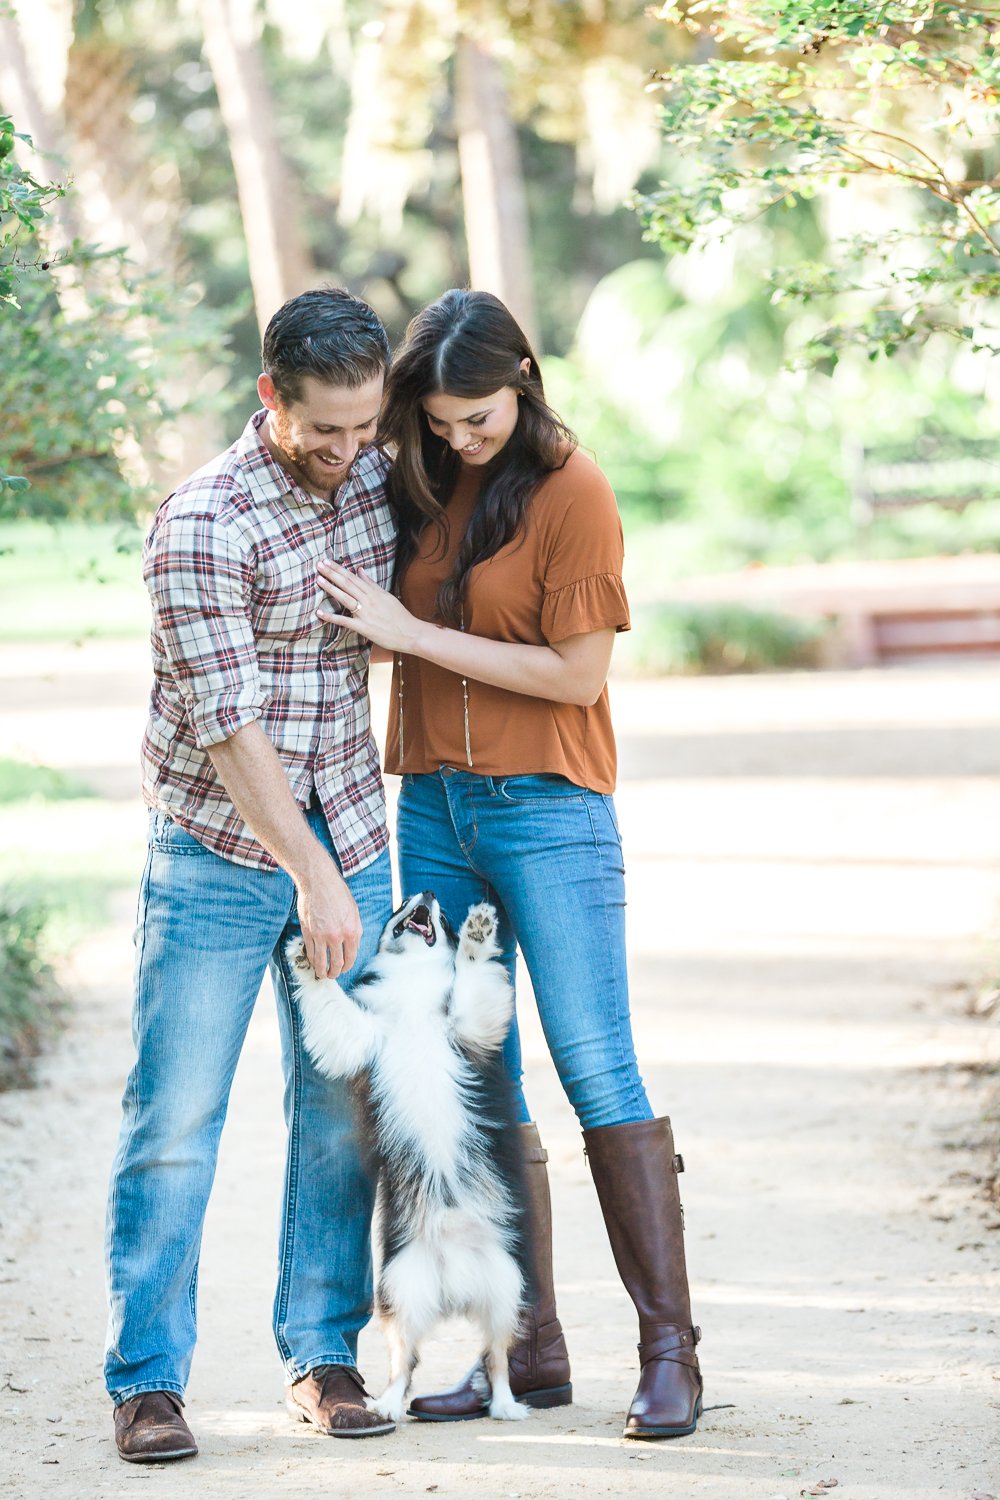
286 596
371 547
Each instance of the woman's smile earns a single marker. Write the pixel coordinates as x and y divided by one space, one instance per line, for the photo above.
477 428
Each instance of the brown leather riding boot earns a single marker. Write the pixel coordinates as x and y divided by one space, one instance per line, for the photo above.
635 1169
538 1362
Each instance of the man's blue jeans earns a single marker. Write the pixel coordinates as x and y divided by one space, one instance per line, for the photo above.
207 931
548 855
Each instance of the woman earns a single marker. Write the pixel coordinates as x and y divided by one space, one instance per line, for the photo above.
509 597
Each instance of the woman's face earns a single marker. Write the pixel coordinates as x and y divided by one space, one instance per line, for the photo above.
477 429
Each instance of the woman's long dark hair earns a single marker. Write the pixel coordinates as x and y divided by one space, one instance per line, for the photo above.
466 344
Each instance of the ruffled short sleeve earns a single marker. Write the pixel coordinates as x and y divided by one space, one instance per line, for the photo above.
596 603
582 578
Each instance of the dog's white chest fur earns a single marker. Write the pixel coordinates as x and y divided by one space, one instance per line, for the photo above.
421 1027
418 1078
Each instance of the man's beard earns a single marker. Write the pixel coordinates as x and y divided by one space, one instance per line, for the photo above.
301 463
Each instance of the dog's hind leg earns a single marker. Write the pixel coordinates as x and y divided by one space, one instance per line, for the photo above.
503 1404
500 1318
403 1357
409 1299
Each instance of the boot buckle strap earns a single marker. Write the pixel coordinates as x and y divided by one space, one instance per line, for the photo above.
668 1344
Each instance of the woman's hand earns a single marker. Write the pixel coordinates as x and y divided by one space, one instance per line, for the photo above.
365 608
570 671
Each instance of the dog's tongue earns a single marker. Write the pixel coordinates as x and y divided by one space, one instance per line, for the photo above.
422 927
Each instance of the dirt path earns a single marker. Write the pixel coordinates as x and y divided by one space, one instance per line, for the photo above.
814 870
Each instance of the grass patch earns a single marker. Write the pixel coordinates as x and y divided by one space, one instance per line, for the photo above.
21 782
30 998
64 863
669 639
69 581
72 858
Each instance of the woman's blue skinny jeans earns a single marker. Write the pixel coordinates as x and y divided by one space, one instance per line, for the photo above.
547 854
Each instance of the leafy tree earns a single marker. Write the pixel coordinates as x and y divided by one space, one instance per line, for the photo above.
23 202
88 382
836 98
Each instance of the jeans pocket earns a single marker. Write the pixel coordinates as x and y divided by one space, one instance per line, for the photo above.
168 837
544 786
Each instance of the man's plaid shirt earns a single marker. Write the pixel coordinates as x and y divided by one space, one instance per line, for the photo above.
230 563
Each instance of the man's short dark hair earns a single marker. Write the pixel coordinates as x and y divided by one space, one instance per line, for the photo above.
326 333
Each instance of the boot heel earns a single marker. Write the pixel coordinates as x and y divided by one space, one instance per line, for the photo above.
556 1395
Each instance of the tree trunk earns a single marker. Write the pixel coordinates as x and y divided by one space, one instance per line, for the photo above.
496 215
278 255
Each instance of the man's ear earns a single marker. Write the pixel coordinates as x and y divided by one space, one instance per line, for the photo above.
267 393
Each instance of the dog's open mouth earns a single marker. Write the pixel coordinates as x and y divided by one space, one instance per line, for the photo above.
419 921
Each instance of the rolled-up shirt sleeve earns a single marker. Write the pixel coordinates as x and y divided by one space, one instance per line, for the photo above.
199 569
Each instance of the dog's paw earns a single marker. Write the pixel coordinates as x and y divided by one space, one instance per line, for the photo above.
388 1406
479 931
505 1409
295 952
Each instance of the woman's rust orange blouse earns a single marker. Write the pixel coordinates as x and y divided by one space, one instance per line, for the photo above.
560 577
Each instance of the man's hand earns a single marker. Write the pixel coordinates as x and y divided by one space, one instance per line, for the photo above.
249 769
330 921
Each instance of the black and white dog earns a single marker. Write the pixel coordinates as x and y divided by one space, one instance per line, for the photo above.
421 1032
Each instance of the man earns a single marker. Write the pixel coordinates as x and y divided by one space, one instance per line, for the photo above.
267 818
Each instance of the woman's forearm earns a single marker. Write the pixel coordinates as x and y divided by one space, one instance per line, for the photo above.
569 671
572 671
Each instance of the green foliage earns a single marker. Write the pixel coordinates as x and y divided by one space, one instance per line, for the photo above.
23 202
94 362
69 581
904 94
722 456
84 395
686 638
20 782
29 993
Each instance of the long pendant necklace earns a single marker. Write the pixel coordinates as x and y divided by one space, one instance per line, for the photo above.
465 706
465 701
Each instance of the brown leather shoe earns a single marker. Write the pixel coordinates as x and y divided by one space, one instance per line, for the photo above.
149 1429
635 1169
539 1363
332 1398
